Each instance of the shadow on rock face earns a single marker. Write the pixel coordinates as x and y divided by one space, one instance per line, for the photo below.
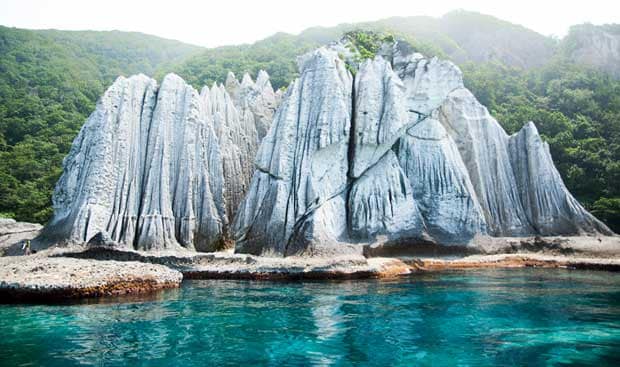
415 247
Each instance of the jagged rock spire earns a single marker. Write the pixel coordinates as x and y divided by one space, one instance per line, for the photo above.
401 153
159 167
298 192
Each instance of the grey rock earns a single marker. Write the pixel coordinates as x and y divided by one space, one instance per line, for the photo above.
13 234
381 203
102 240
594 46
483 146
440 183
550 208
380 116
241 115
406 158
296 200
161 167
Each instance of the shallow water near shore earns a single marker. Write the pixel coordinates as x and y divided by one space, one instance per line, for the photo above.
482 317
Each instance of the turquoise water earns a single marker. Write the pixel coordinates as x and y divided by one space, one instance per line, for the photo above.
475 318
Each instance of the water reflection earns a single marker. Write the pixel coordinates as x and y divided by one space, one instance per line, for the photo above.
504 317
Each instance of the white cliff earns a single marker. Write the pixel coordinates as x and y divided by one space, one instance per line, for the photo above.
440 182
401 153
159 167
483 145
549 207
297 200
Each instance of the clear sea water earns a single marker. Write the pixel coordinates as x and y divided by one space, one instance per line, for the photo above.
473 318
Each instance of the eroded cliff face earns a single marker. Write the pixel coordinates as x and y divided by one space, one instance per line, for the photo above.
402 153
161 167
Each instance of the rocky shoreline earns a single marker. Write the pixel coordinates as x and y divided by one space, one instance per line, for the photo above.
77 272
40 278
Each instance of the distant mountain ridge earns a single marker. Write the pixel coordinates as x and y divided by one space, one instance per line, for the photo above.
461 36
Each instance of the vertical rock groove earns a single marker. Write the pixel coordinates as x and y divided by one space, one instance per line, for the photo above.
424 161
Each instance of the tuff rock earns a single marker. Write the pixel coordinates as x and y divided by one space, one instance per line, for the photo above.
401 152
161 166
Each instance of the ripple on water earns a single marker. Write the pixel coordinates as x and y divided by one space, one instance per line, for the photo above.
487 317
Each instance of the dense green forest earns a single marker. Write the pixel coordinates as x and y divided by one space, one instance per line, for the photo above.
49 84
50 81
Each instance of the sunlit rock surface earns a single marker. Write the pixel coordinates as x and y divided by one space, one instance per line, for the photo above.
400 152
297 199
483 145
161 166
549 207
440 183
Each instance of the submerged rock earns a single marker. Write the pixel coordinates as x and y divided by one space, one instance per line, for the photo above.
401 154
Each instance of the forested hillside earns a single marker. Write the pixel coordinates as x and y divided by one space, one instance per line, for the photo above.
49 83
50 80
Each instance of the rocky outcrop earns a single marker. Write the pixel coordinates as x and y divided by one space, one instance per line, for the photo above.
298 193
241 114
483 145
401 153
595 46
440 183
160 166
46 279
550 208
13 233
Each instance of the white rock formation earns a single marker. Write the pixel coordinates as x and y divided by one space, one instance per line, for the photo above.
550 208
484 147
401 152
440 183
297 197
241 113
158 167
381 203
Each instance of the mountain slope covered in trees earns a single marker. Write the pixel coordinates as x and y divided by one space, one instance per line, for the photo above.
50 81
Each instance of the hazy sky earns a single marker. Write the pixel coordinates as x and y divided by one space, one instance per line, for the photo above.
220 22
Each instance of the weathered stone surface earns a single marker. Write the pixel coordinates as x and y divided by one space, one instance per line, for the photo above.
158 167
440 183
297 197
45 279
102 240
400 154
13 233
412 155
483 145
595 46
241 115
382 202
550 208
380 115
